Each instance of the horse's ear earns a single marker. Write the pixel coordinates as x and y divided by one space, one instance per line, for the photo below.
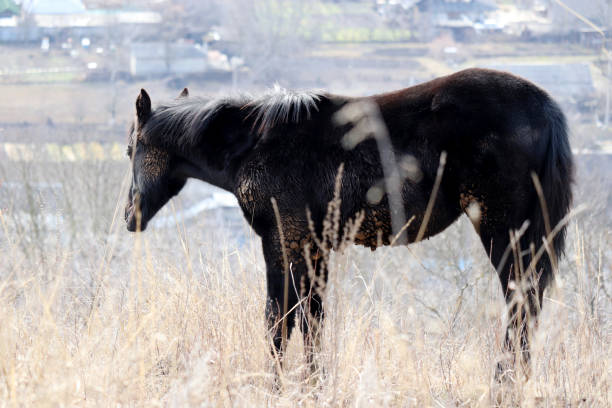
184 93
143 107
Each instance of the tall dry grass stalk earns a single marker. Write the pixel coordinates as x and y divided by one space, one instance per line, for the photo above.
174 317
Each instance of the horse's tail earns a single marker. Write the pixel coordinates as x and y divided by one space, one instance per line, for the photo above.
555 176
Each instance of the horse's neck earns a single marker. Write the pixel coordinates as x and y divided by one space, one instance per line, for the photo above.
230 139
191 169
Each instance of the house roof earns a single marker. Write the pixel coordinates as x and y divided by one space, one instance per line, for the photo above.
56 7
155 50
457 6
148 50
97 18
8 8
561 80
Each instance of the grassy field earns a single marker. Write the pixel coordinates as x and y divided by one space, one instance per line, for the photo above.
94 316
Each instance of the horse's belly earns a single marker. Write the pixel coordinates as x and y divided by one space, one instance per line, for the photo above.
375 229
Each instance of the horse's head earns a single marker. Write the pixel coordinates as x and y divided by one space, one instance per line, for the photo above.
156 175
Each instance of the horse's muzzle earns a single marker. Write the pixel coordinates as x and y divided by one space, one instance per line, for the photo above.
130 217
133 215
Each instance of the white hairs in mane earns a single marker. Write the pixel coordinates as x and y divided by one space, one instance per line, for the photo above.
280 105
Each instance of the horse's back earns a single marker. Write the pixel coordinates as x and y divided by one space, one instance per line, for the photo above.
495 128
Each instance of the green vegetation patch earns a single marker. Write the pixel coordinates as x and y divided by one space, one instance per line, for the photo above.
354 34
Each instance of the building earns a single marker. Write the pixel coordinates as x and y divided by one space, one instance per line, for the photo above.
8 9
150 59
462 18
55 7
9 21
57 18
52 16
456 16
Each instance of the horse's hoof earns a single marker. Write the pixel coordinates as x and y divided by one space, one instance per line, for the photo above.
504 371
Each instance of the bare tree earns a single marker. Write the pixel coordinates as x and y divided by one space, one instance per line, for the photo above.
596 14
117 40
571 14
187 18
269 34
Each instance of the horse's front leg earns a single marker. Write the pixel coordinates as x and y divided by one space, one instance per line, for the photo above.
311 317
295 287
281 303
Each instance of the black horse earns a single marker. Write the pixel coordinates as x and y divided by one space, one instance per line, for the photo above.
479 141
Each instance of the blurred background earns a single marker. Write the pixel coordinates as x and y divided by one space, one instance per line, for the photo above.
70 71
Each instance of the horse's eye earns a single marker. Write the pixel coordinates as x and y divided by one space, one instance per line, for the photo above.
129 151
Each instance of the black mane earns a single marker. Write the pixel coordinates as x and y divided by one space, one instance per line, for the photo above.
183 122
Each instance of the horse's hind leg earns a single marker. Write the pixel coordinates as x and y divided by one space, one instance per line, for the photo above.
522 292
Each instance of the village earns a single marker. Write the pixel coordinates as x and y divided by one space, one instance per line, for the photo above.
384 44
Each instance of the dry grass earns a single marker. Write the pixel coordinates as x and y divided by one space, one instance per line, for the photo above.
93 316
